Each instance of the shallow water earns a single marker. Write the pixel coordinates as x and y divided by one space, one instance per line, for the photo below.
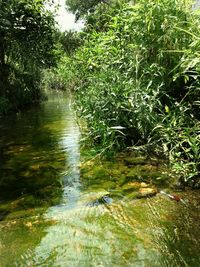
52 205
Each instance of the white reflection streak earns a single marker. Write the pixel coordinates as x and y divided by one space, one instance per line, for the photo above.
55 241
70 143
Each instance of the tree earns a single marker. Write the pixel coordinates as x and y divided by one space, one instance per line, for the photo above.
70 41
81 7
96 13
26 41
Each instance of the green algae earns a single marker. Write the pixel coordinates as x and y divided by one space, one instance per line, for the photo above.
46 219
125 174
19 236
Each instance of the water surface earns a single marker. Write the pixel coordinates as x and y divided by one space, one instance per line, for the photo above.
53 208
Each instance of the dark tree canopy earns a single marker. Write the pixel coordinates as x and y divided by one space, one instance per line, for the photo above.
70 41
82 7
26 44
26 31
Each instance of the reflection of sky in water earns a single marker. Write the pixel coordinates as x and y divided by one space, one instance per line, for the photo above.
69 142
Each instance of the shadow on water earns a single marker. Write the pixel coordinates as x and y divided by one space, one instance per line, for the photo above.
58 212
32 157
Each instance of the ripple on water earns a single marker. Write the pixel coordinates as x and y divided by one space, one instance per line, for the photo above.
124 232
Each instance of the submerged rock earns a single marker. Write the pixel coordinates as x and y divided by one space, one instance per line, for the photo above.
147 192
144 185
104 200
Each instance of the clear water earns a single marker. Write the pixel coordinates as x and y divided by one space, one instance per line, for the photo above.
44 197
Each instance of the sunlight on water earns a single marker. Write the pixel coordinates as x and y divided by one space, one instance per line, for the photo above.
70 178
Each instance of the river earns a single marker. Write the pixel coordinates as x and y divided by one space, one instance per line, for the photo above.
59 208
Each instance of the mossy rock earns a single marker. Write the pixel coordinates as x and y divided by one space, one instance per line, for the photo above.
142 193
132 161
131 186
132 196
25 213
93 195
147 192
122 180
132 174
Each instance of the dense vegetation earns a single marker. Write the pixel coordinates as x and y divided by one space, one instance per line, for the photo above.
66 44
82 8
134 70
136 80
26 46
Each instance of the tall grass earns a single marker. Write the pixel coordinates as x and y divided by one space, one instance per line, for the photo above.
137 81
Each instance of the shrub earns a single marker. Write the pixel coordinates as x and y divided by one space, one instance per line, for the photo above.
138 80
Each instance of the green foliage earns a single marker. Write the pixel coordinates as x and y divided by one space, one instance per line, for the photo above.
81 8
26 46
69 41
61 76
57 78
138 74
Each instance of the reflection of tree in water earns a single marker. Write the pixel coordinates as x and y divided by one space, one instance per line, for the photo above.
32 159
